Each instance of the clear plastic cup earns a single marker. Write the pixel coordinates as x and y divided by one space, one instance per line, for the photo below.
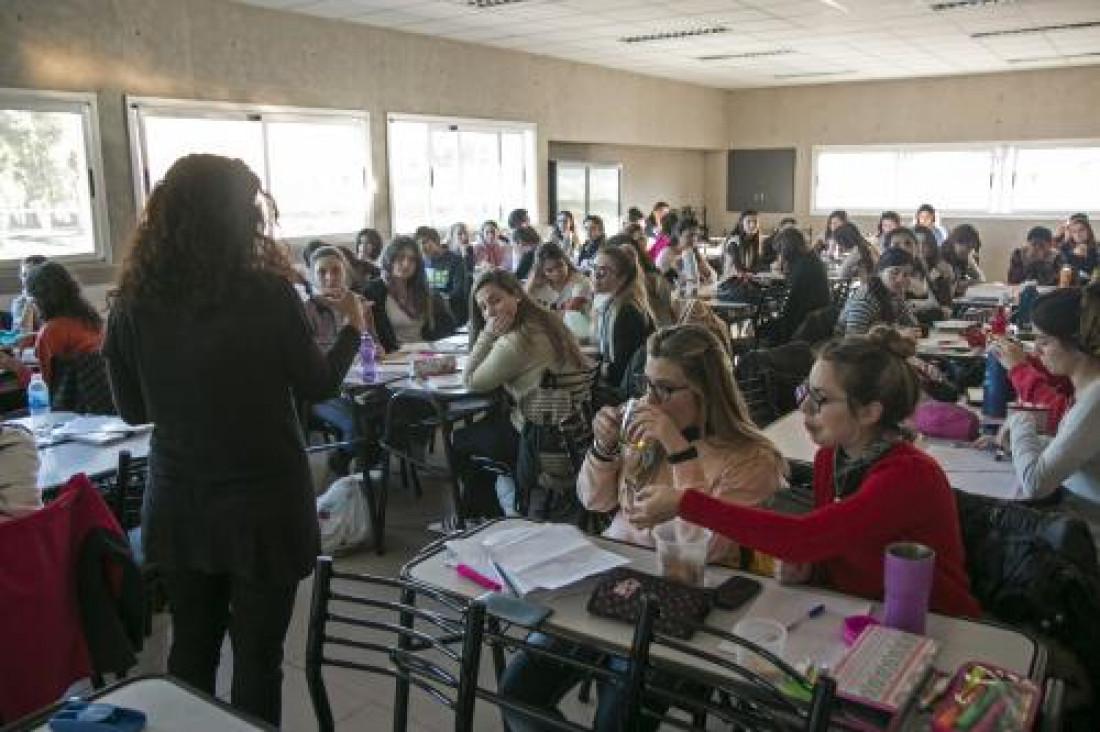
682 551
770 635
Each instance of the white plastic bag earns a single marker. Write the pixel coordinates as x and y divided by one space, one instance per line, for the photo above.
342 515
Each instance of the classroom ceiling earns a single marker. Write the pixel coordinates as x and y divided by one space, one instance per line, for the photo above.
754 43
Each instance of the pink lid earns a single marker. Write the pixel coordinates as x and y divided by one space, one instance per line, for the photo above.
856 624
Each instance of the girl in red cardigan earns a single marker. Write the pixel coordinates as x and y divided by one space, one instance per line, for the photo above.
871 486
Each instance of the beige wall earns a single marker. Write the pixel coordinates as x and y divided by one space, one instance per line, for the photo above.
1034 105
650 174
218 50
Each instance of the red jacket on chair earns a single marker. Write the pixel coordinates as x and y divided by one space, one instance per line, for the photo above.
42 646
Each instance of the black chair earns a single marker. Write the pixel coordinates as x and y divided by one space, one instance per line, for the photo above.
412 419
414 634
545 462
838 293
79 383
738 696
124 493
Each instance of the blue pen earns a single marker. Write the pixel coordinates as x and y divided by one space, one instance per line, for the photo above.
813 612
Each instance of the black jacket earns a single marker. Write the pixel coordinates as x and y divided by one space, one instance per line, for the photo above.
443 324
448 278
112 601
229 489
808 286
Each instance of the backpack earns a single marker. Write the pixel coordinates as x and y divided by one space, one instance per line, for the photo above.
342 515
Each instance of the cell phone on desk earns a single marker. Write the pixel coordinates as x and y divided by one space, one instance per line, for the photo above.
735 592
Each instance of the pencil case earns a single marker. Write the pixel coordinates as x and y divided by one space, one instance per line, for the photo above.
435 364
985 698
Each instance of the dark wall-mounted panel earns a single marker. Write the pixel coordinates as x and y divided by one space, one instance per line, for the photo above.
761 180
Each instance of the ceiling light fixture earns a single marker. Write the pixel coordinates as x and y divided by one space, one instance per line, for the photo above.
1036 59
487 4
1038 29
810 74
941 7
675 35
748 54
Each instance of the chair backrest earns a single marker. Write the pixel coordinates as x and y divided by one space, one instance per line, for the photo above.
79 384
485 627
124 491
409 632
559 395
768 378
754 700
819 325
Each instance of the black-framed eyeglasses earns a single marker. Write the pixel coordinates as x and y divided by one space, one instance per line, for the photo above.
806 394
661 392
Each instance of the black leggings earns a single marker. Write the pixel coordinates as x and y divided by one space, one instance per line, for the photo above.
493 437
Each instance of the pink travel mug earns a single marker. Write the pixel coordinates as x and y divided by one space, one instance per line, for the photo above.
908 585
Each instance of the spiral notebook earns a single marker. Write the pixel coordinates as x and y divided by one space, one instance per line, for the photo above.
884 668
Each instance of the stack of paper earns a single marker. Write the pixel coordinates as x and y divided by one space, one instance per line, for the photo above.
544 556
97 430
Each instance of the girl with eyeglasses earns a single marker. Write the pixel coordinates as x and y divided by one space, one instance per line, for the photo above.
872 486
700 437
405 308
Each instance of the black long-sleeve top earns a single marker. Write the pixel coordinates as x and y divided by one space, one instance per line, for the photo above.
808 281
230 489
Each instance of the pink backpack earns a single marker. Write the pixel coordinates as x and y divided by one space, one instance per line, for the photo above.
946 420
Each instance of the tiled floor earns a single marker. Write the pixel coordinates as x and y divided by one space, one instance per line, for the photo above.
359 701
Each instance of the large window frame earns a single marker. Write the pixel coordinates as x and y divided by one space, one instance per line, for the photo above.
611 219
141 108
529 133
1001 176
85 104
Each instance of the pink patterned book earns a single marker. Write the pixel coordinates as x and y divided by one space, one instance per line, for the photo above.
884 667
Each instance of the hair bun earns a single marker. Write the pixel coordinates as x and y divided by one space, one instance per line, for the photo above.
890 340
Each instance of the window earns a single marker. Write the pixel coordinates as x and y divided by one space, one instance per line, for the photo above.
443 171
50 176
315 163
590 188
983 179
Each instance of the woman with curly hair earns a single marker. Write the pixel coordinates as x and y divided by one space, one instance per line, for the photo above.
208 340
70 325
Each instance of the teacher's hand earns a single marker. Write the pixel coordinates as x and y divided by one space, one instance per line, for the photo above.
654 505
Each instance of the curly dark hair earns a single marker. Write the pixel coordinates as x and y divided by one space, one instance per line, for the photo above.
205 226
57 294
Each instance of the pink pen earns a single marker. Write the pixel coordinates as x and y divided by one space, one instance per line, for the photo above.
465 570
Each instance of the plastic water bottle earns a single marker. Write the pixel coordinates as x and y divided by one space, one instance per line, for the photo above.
995 388
38 402
368 366
690 274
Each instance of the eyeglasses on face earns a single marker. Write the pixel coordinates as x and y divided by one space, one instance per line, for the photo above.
659 391
805 394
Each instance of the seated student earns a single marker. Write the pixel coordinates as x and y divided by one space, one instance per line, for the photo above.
745 252
702 437
858 260
525 240
887 222
18 473
333 305
926 217
70 325
653 222
565 235
458 242
624 319
808 282
595 237
657 288
404 307
368 246
446 272
360 271
1038 260
1033 382
556 283
490 251
882 299
933 285
23 315
872 487
662 234
670 262
1078 246
1067 338
825 246
960 250
515 343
